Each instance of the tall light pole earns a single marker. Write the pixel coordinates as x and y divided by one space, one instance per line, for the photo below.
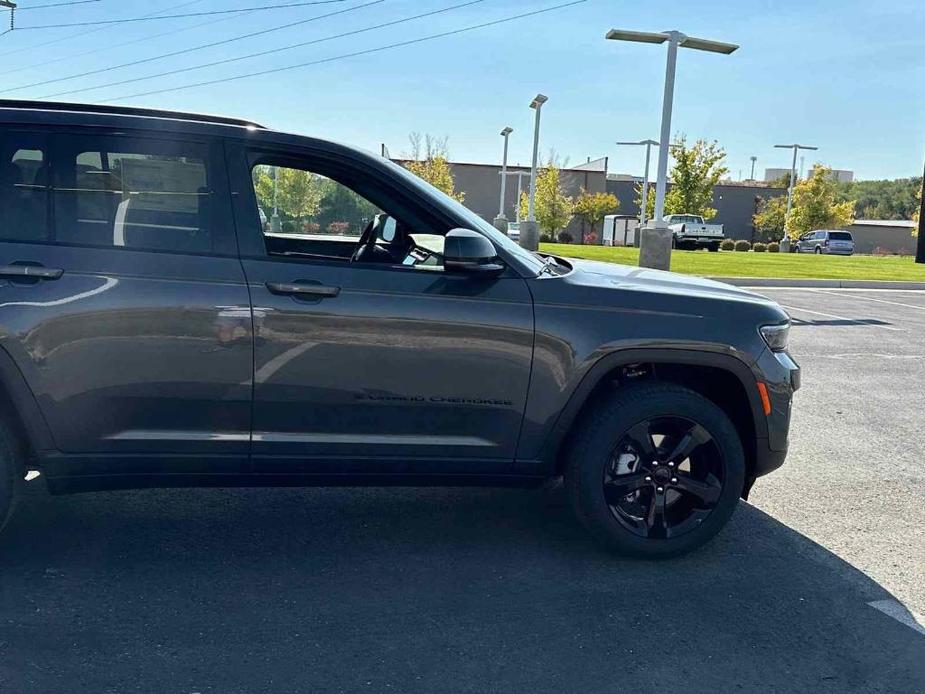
529 238
754 159
520 177
275 223
655 239
920 246
645 179
793 171
501 220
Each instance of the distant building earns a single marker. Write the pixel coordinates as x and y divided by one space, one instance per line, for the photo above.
883 236
841 175
736 202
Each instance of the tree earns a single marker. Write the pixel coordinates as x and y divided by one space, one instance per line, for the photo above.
429 161
918 210
650 199
695 172
884 199
815 205
298 192
769 219
553 207
593 207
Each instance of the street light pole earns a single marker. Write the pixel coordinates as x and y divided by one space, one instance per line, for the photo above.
645 178
275 223
655 239
793 170
501 220
920 247
529 238
754 159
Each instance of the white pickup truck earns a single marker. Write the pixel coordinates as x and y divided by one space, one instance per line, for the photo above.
689 231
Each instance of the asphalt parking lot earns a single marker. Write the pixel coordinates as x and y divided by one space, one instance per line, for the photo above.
482 590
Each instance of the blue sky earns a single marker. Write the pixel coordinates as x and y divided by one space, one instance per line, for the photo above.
844 75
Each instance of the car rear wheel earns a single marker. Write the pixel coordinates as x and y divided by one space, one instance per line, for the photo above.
656 470
714 247
818 250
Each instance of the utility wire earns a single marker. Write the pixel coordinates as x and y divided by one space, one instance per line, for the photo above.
269 51
56 4
149 18
354 54
109 47
83 34
184 51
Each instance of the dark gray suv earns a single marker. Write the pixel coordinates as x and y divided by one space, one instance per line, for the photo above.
189 300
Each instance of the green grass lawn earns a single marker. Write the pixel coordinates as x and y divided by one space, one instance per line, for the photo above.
737 264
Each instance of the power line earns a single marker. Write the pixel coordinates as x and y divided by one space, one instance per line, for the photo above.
270 51
148 18
109 47
183 52
355 54
56 4
83 34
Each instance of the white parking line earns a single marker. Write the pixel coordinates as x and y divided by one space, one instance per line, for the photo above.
868 298
898 611
850 320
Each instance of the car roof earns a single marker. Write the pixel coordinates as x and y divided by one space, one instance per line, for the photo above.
50 113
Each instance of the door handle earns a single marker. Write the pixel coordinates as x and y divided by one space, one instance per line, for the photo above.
301 289
28 271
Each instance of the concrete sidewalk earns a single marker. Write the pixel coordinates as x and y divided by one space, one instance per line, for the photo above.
830 284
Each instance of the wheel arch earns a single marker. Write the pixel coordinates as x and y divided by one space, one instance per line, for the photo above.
722 378
20 409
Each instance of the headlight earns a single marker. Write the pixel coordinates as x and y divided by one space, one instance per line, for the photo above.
777 336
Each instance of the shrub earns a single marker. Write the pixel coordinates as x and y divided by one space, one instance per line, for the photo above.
310 227
727 245
774 247
565 237
591 238
760 247
742 245
338 228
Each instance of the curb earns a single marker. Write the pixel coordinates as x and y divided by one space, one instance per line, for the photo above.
830 284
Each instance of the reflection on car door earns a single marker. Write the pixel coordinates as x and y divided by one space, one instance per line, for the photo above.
384 368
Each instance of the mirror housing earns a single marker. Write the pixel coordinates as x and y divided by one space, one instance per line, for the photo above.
468 251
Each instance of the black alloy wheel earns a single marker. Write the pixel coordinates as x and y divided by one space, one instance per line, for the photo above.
665 477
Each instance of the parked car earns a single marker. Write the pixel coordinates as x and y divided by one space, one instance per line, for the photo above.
825 241
153 334
691 232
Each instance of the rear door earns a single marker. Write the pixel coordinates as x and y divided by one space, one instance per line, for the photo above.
132 322
387 367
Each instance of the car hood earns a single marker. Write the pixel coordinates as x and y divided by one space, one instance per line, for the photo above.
668 292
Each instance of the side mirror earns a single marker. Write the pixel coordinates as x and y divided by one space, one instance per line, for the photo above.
468 251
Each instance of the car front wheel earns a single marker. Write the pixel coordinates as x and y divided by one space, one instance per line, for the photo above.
655 471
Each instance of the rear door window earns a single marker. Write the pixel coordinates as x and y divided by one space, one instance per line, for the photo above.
23 187
840 236
135 194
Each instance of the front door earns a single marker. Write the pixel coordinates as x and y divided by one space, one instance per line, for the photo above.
368 359
136 337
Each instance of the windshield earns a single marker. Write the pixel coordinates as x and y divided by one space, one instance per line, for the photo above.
475 222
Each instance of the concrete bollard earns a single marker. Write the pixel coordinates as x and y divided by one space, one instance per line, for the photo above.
529 236
655 247
500 223
785 244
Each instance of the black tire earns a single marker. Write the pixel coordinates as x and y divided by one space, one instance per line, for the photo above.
593 453
11 467
818 250
713 247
